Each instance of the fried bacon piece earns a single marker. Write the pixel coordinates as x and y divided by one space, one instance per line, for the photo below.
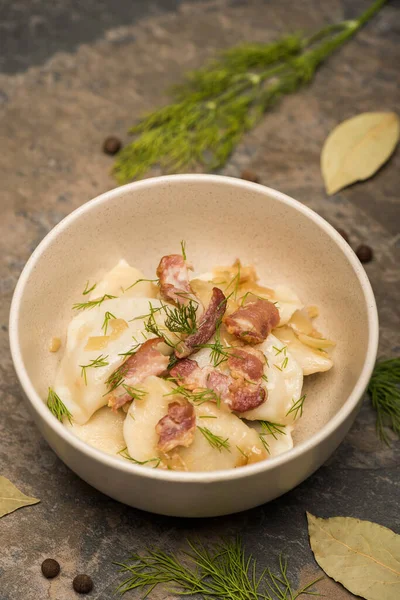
177 428
238 394
207 325
247 363
253 322
174 279
148 360
245 395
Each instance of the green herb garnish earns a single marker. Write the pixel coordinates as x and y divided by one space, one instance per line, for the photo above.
87 289
125 454
214 440
139 281
183 247
57 406
107 318
297 407
198 396
223 572
384 388
96 363
134 393
215 106
182 319
92 303
273 429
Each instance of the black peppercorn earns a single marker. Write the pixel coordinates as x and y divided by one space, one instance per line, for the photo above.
50 568
112 145
365 253
82 584
343 234
250 176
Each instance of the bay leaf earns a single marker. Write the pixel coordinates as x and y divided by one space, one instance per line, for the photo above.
363 556
11 498
357 148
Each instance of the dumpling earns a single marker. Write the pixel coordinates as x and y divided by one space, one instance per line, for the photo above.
244 444
284 381
103 431
117 281
311 360
84 392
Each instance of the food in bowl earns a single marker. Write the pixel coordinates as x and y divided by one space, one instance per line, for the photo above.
187 373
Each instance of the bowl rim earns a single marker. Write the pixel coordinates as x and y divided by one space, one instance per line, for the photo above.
39 406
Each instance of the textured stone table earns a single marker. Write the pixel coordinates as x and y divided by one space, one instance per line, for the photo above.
70 76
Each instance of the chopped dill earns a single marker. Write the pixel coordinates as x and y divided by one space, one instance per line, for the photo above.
243 298
222 571
96 363
125 454
297 407
173 359
279 350
151 326
198 396
285 362
134 393
183 246
140 281
182 319
214 440
208 417
107 318
265 378
88 289
130 352
92 303
57 406
274 429
116 378
241 452
384 389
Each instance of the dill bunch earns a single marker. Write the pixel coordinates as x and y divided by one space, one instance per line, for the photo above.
384 389
217 104
223 572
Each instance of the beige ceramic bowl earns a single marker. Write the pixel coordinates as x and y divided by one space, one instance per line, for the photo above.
221 219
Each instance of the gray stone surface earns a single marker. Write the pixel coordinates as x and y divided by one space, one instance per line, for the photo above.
91 81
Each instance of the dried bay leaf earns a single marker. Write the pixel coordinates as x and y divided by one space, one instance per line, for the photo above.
357 148
363 556
11 498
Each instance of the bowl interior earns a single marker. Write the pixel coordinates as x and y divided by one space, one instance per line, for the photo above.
220 219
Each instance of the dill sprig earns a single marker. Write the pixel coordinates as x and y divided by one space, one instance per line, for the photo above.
134 393
130 352
182 319
140 281
107 318
116 378
215 441
215 105
96 363
92 303
225 571
270 428
297 407
274 429
384 388
88 289
183 248
125 454
198 396
57 406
